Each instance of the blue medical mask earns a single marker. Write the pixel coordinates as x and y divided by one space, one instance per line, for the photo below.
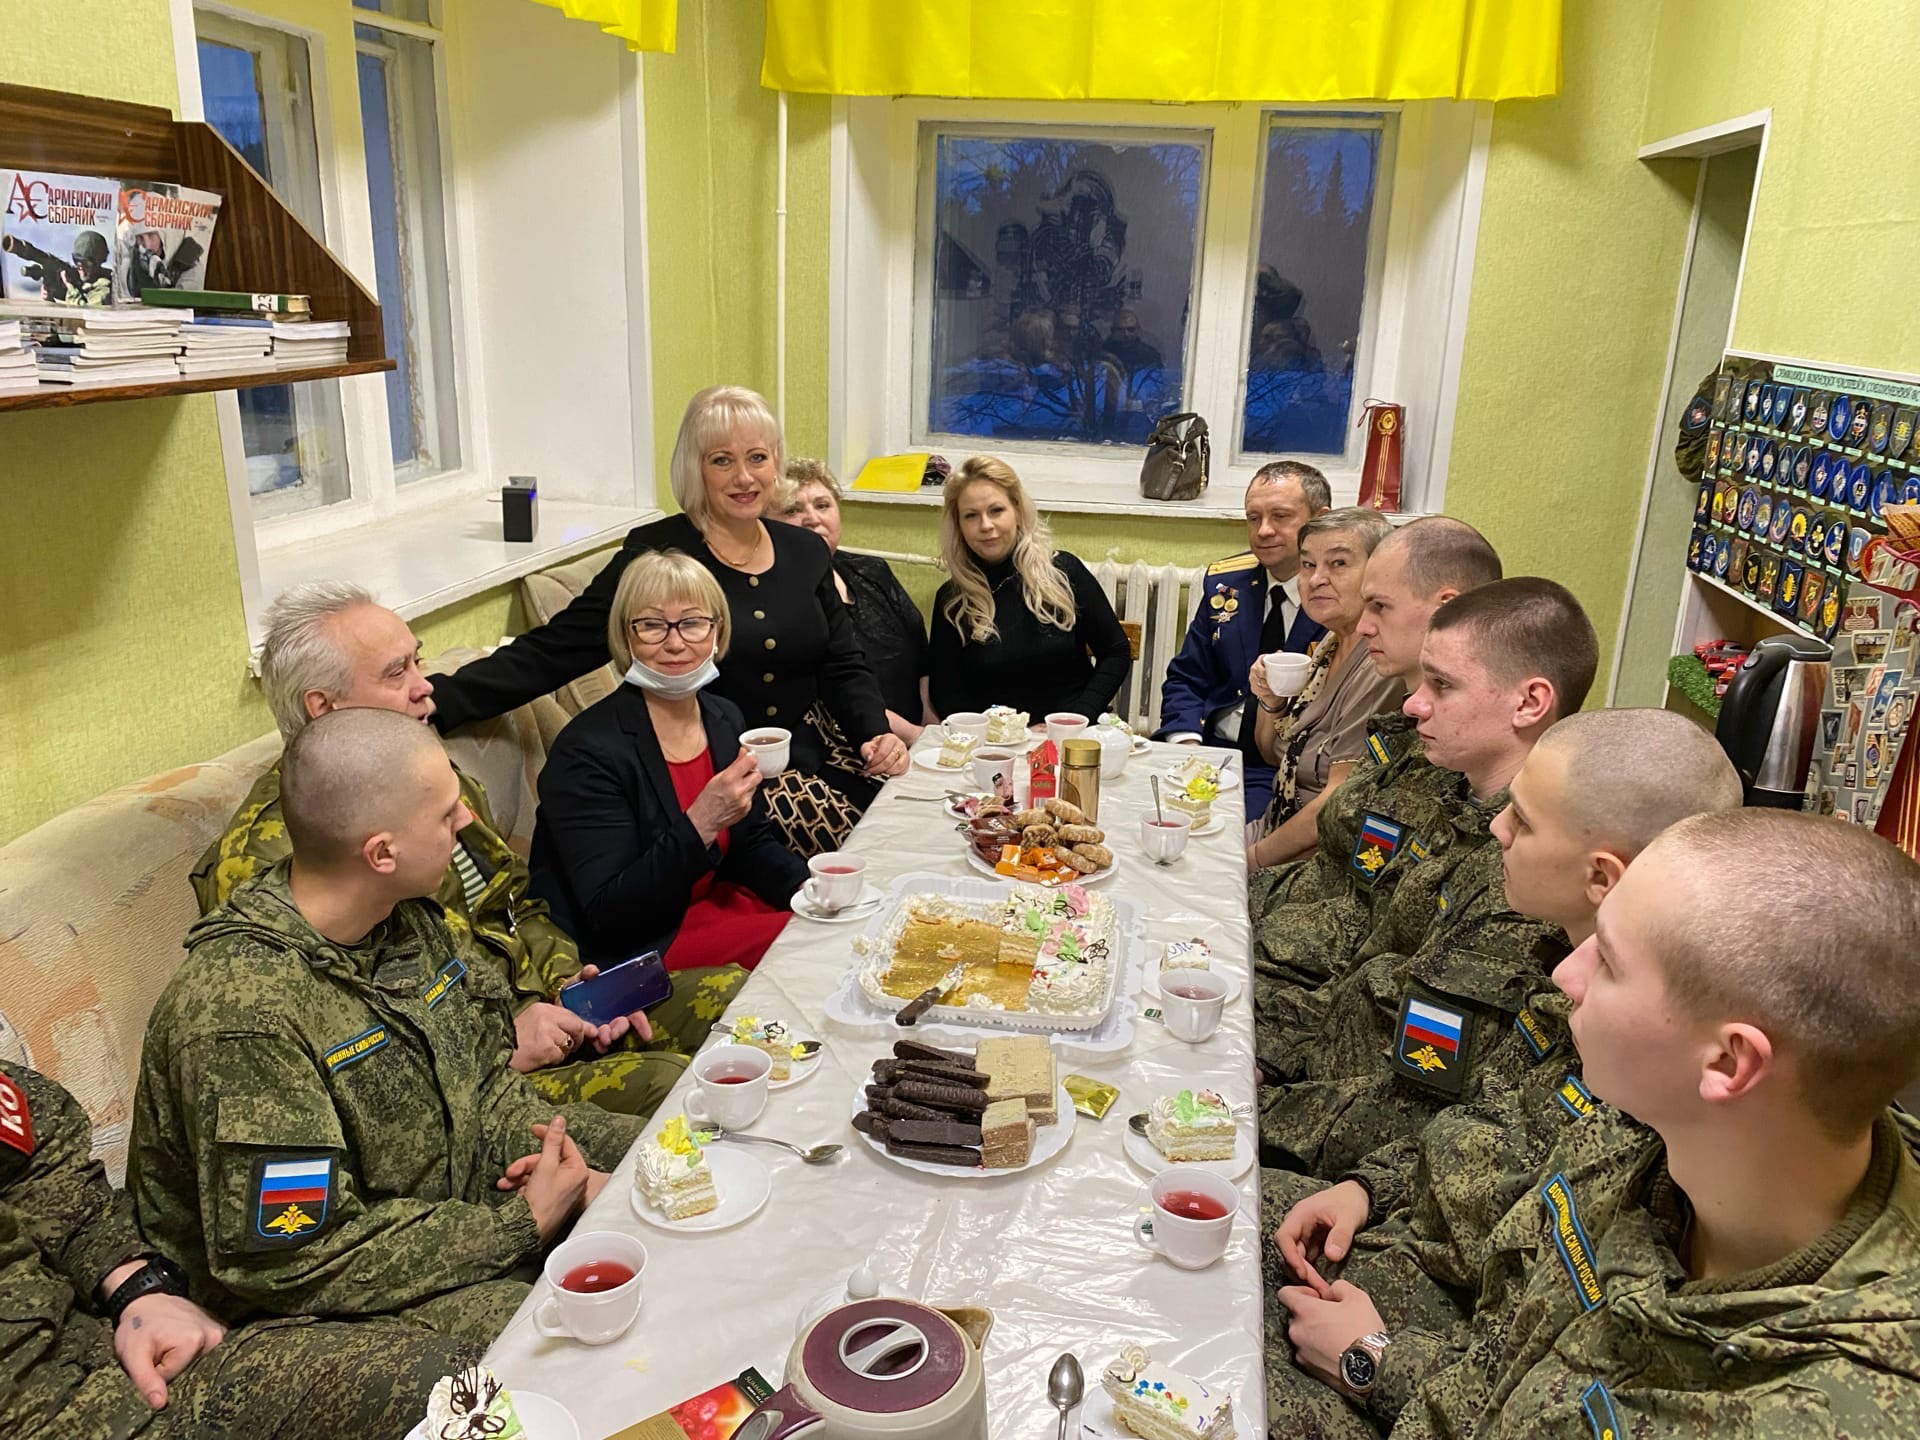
674 687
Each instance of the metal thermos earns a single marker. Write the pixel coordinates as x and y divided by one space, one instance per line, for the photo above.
1770 718
1080 775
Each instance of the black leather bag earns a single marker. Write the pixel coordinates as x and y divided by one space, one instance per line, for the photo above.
1176 463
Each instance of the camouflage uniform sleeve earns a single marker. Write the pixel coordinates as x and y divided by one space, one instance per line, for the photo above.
246 1100
513 1107
1414 1356
1387 1174
255 840
546 956
82 1226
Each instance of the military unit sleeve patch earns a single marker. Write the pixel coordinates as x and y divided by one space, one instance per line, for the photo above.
1414 848
1531 1031
1430 1045
1571 1241
1374 847
1577 1099
16 1119
1597 1404
448 977
1377 748
358 1048
291 1196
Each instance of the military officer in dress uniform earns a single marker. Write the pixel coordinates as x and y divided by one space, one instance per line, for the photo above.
1251 607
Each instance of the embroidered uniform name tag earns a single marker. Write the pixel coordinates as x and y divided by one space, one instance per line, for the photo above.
1598 1405
1430 1045
448 977
1374 847
358 1048
1534 1034
291 1196
1576 1097
1571 1240
16 1120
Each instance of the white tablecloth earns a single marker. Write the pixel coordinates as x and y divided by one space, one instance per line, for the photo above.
1050 1251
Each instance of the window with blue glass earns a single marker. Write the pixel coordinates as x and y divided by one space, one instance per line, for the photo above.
1057 278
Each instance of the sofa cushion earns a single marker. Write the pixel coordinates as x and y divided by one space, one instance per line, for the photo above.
544 594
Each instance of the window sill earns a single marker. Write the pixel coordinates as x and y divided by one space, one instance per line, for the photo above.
427 558
1212 506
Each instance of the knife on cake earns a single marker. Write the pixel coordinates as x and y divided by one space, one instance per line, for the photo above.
911 1012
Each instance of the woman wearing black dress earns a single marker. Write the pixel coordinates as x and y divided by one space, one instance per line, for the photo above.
884 615
1019 623
794 660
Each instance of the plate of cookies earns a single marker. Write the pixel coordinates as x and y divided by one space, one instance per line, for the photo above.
969 1114
1053 843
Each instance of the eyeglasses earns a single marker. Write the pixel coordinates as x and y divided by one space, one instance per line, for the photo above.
693 628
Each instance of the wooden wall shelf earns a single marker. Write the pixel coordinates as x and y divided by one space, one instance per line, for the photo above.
258 244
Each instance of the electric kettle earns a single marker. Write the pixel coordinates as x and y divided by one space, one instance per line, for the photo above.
882 1369
1770 718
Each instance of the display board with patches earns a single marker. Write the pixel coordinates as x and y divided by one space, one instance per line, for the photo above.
1867 711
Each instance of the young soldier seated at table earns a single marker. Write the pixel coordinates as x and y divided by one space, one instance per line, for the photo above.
1310 916
1730 1243
98 1339
1595 792
330 646
1500 664
325 1113
1404 1037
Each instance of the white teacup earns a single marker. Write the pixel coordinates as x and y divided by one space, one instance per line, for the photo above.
730 1086
838 880
1064 725
1192 1002
993 770
593 1317
1165 840
1177 1234
966 722
1287 672
770 747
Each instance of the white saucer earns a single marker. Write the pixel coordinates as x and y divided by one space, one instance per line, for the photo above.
1141 745
870 896
927 757
1229 777
1215 824
541 1417
1097 1420
951 802
974 859
1150 985
739 1179
797 1070
1140 1150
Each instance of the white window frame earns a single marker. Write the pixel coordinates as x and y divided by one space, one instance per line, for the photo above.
1421 242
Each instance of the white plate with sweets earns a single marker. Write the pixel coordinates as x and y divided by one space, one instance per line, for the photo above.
1144 1153
1060 876
1048 1141
740 1181
803 1059
541 1418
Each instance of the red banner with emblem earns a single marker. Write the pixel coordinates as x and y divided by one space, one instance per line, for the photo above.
1380 474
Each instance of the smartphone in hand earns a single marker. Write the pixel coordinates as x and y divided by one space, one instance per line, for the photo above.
631 985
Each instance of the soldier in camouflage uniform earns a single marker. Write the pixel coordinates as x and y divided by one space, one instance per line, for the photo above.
67 1246
330 646
1749 1262
325 1115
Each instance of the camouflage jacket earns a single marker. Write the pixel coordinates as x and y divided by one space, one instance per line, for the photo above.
1388 820
1373 1056
1586 1325
62 1230
508 926
318 1128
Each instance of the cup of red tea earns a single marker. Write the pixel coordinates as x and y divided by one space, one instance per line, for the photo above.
730 1086
1192 1001
594 1288
837 880
770 747
1192 1216
1164 837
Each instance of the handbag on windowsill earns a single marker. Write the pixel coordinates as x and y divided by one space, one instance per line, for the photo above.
1176 463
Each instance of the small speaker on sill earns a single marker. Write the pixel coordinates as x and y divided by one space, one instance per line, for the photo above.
520 508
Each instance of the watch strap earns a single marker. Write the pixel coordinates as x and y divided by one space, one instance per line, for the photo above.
157 1276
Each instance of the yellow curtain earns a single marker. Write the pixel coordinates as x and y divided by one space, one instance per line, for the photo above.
643 24
1179 50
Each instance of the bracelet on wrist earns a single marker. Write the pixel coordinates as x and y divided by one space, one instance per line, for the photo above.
1269 709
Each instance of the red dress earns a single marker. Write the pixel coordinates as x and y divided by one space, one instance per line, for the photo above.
725 924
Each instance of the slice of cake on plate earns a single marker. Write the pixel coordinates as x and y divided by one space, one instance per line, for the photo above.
672 1173
1193 1125
1006 1135
1005 725
956 750
1020 1067
1192 954
472 1405
1157 1403
770 1036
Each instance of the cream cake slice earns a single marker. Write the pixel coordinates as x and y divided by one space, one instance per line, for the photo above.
672 1173
1193 1125
1159 1403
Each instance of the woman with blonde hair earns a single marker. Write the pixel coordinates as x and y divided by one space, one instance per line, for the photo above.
796 662
652 832
1018 623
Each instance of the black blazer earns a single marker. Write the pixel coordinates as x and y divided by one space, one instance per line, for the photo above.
614 855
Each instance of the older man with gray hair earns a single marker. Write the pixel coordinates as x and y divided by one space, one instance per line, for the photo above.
332 646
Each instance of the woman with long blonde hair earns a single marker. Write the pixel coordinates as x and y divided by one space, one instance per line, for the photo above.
1018 623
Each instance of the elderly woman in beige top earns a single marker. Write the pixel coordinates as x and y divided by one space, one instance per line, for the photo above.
1314 738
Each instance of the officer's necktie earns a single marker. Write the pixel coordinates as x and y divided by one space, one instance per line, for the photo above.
1273 630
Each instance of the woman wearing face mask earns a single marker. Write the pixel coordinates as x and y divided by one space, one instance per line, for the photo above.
884 615
1020 623
652 832
795 662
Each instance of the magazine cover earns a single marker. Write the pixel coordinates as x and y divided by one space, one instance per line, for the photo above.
163 235
54 237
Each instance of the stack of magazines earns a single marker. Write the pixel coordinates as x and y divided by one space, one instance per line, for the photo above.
298 344
226 344
112 347
16 360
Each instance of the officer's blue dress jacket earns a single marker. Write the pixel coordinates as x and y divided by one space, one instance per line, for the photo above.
1210 672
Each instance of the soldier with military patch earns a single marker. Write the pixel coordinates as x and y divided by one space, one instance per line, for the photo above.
1731 1246
326 1123
331 646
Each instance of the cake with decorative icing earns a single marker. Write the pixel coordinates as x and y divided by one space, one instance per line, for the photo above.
1193 954
1158 1403
1196 785
672 1175
768 1035
472 1405
956 750
1193 1125
1006 725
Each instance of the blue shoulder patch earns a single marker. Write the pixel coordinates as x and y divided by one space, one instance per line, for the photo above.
1598 1406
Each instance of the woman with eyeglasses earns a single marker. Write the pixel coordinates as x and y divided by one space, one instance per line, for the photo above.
652 832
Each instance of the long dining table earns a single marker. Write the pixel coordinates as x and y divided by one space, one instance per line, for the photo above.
1049 1250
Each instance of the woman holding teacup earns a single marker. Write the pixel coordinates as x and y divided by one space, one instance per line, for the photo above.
1019 623
1314 737
652 832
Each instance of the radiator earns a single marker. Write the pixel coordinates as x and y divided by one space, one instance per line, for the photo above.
1161 600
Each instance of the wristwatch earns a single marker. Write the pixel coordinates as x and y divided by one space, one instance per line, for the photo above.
159 1275
1360 1363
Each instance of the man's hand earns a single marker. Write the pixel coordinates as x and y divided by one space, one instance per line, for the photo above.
546 1034
159 1336
605 1037
1324 1326
1322 1224
885 755
553 1180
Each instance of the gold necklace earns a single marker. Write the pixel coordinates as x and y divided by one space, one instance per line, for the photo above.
750 555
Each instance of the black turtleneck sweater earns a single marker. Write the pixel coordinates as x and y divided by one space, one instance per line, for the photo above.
1031 666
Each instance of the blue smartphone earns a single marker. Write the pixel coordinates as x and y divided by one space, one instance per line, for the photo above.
620 990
